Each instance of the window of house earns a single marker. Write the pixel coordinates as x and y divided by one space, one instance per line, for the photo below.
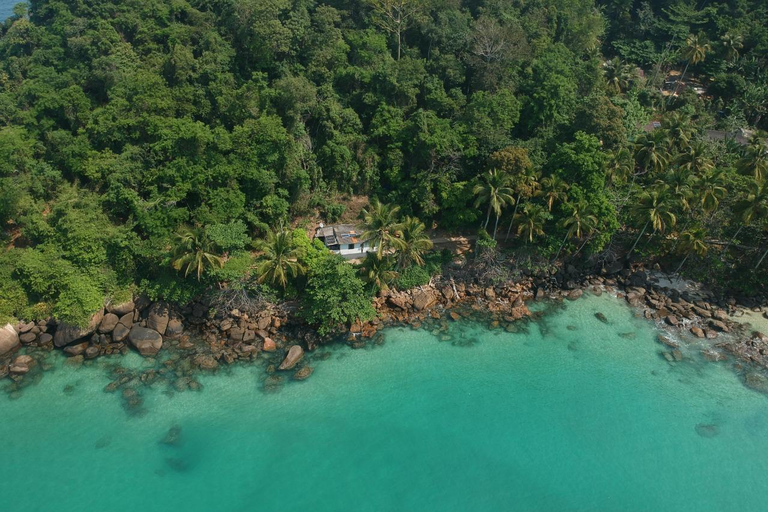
351 246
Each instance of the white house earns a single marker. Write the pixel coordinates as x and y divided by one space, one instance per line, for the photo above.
343 239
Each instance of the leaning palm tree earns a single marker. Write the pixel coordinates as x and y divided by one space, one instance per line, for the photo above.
193 252
695 158
377 270
755 160
554 188
579 220
692 242
694 51
279 259
654 208
530 221
381 227
496 191
618 75
711 189
414 242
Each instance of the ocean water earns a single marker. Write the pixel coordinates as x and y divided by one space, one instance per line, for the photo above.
574 415
6 8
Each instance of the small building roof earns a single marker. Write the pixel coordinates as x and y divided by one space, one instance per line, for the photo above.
339 234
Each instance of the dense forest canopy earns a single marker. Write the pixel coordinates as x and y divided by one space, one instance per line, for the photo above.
131 128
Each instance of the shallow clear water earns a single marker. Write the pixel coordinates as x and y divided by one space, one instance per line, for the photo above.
577 420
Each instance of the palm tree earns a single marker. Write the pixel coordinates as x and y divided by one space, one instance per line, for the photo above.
580 219
755 160
380 226
655 209
731 43
279 258
415 242
695 51
618 75
679 130
755 206
527 186
530 221
620 166
555 189
494 190
694 158
692 242
651 152
680 182
377 270
193 252
711 189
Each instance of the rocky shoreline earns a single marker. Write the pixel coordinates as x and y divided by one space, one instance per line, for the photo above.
178 343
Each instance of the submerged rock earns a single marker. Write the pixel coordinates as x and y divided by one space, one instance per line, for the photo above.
303 373
173 436
756 381
707 430
601 317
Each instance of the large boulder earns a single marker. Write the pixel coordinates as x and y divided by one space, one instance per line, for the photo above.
122 308
120 333
108 323
158 317
422 299
9 339
147 341
67 333
295 353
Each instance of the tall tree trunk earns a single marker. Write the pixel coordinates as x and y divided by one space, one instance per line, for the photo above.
678 82
761 259
495 226
733 239
638 238
487 217
582 245
565 238
512 220
399 42
682 263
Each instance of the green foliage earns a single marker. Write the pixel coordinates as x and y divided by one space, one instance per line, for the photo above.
334 295
412 277
228 237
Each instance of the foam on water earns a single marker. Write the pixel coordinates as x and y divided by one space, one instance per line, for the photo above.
551 419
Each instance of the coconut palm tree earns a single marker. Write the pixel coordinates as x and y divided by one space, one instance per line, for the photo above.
694 51
618 75
755 160
279 259
377 270
554 189
754 207
694 158
710 187
496 191
526 186
731 43
678 130
530 221
680 182
620 166
414 242
654 208
579 220
692 242
194 252
381 227
651 151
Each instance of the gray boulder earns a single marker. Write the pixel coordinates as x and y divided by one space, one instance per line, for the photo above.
9 339
295 353
158 317
108 323
147 341
121 332
67 333
121 309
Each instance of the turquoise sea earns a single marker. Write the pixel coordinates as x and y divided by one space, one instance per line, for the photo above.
574 415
